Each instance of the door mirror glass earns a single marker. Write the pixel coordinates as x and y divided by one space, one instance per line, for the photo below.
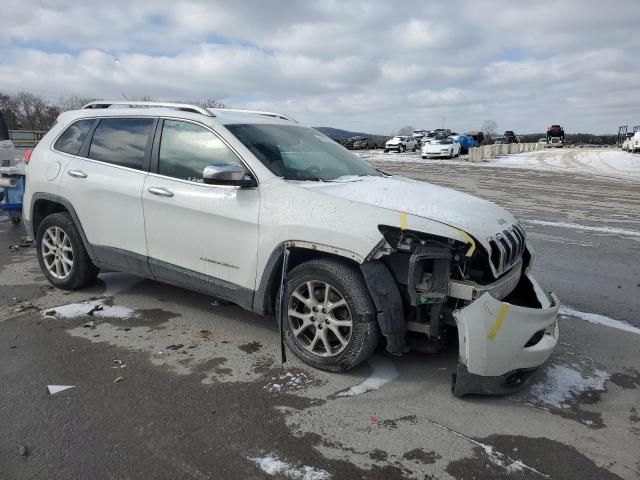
227 174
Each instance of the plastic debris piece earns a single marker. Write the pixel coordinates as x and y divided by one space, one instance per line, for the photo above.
53 389
373 418
23 451
119 379
118 364
96 308
204 333
90 324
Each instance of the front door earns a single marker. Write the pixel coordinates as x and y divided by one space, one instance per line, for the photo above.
204 237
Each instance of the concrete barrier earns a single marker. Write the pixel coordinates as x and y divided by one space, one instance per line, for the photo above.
488 152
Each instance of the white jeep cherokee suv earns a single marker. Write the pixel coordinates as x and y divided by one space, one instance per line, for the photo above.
247 205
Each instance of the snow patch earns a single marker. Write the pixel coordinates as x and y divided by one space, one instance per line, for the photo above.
288 382
98 309
272 465
577 226
383 371
563 384
600 320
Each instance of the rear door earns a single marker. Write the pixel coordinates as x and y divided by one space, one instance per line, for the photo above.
104 184
204 237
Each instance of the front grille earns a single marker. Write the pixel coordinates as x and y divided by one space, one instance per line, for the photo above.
507 248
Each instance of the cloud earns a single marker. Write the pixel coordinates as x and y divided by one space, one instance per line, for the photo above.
363 65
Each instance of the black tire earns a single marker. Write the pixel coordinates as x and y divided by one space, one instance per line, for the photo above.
83 271
16 221
415 148
402 149
348 280
386 150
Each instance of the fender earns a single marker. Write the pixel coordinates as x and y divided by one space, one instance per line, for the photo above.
67 205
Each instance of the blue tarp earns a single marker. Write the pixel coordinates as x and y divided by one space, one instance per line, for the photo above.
466 142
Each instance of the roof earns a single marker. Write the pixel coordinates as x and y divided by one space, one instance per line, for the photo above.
210 116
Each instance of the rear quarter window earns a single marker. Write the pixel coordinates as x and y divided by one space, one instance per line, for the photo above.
73 137
121 141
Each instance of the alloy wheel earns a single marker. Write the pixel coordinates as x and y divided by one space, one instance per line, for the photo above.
320 318
57 252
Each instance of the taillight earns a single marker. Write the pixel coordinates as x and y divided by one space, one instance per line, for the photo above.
27 155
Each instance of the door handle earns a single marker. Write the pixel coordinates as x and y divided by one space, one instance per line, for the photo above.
161 191
77 174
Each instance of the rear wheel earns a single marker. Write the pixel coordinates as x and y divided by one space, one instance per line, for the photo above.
61 253
330 322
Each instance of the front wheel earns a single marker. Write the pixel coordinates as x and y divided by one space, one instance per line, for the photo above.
330 322
61 253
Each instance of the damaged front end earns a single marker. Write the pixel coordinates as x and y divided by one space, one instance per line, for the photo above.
506 324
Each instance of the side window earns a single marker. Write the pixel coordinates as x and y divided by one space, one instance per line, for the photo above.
121 141
186 149
71 140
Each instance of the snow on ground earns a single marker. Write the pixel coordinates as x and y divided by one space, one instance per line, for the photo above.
97 309
562 384
272 465
577 226
609 162
383 371
599 319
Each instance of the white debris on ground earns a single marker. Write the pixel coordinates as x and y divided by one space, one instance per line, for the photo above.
53 389
577 226
288 382
383 371
609 162
272 465
97 308
599 319
562 384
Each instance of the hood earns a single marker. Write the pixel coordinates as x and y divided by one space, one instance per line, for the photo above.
479 218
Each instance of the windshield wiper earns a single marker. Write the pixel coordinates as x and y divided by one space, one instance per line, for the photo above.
302 179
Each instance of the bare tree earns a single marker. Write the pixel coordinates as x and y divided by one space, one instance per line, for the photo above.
72 102
490 128
408 130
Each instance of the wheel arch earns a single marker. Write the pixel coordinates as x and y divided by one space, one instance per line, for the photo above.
264 301
44 204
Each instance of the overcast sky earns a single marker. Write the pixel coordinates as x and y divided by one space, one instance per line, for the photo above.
359 65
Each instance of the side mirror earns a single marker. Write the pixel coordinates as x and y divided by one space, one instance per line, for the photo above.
231 174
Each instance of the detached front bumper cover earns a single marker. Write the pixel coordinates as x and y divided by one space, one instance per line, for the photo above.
501 343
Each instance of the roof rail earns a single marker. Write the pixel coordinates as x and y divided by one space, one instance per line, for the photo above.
185 107
257 112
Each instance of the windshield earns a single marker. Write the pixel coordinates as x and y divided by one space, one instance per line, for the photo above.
444 141
300 153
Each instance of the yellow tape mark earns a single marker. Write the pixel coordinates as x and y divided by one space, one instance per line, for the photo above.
470 241
404 222
495 328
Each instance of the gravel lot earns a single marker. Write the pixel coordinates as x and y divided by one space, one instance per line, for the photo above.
203 394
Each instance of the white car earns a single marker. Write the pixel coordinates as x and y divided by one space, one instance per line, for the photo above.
254 208
441 147
401 143
633 143
7 149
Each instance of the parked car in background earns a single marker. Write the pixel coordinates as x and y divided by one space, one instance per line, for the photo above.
364 143
634 143
500 141
115 188
465 141
542 141
441 147
419 135
510 136
401 143
7 149
477 136
626 144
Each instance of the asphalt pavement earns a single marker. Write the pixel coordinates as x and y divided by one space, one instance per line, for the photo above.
173 384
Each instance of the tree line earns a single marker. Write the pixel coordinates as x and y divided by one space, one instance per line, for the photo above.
28 111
